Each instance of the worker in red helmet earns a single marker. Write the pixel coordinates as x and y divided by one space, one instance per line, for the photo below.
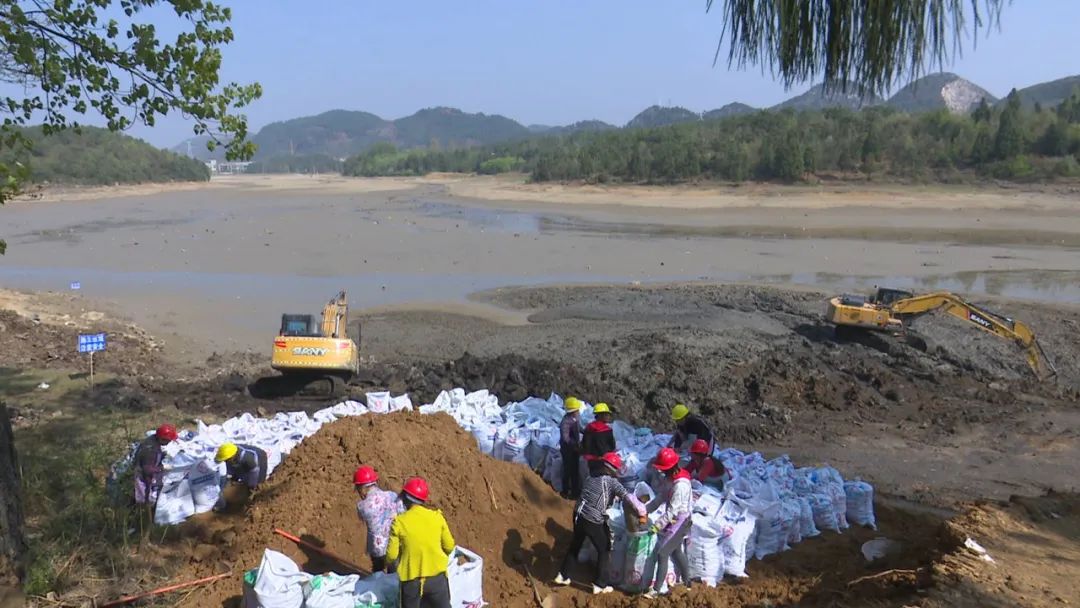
703 466
377 508
674 524
591 520
149 464
420 544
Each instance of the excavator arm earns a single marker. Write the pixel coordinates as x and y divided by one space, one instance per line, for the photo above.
999 325
335 317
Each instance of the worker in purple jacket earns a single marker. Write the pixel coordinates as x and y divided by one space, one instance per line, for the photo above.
570 448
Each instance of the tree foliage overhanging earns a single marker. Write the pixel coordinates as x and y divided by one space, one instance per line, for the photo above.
1007 142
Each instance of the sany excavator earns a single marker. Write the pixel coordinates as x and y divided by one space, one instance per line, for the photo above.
315 359
892 310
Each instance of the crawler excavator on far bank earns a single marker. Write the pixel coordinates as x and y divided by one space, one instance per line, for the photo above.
316 359
892 310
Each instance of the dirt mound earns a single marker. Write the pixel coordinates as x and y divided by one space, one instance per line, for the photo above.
311 495
1035 545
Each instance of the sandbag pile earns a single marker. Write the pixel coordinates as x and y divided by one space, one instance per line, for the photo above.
279 583
765 508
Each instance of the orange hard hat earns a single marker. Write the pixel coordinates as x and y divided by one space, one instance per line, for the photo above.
166 432
365 475
416 488
666 459
700 446
613 460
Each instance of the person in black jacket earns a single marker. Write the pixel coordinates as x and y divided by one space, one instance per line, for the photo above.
598 438
688 428
244 464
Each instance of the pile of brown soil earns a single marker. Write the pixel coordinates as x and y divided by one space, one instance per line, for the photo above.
495 508
504 512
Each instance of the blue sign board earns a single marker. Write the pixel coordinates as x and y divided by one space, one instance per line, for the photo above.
91 343
76 285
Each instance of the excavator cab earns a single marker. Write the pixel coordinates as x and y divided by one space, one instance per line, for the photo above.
299 326
886 296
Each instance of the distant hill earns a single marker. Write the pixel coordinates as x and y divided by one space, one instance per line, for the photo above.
817 99
452 127
731 109
195 147
539 128
657 116
1049 94
583 126
337 133
943 90
96 156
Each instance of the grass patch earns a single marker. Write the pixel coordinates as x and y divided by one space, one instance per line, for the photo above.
78 534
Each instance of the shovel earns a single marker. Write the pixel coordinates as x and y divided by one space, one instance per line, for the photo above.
547 602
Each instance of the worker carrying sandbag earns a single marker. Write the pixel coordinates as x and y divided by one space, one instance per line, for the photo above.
420 543
149 465
244 464
377 508
688 428
674 525
598 438
591 521
704 467
570 448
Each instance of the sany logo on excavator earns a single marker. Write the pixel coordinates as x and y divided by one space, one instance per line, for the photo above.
309 351
974 318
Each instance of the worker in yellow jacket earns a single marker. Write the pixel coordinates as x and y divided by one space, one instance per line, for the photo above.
421 544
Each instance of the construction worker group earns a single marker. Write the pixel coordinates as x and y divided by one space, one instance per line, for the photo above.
407 536
672 490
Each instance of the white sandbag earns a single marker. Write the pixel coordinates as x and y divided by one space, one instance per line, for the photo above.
617 559
401 403
466 576
378 403
330 591
792 514
553 470
860 503
380 587
279 582
205 485
824 512
706 560
806 518
174 503
738 523
511 446
639 549
486 433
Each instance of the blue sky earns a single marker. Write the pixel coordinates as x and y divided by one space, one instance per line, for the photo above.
548 61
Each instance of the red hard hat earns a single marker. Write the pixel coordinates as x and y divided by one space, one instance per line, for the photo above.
700 446
666 459
416 488
365 475
166 432
613 460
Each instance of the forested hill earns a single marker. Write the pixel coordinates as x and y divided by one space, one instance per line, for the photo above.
94 156
1006 142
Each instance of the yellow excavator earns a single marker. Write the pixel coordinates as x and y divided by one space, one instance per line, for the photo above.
316 359
892 310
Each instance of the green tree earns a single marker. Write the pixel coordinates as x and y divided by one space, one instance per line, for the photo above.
96 56
982 112
1009 141
1055 140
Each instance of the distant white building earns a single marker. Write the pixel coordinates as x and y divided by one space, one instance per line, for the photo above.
226 168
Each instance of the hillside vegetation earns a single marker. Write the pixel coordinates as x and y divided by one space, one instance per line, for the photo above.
94 156
1005 142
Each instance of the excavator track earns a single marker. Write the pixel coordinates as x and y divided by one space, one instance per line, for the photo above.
304 386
